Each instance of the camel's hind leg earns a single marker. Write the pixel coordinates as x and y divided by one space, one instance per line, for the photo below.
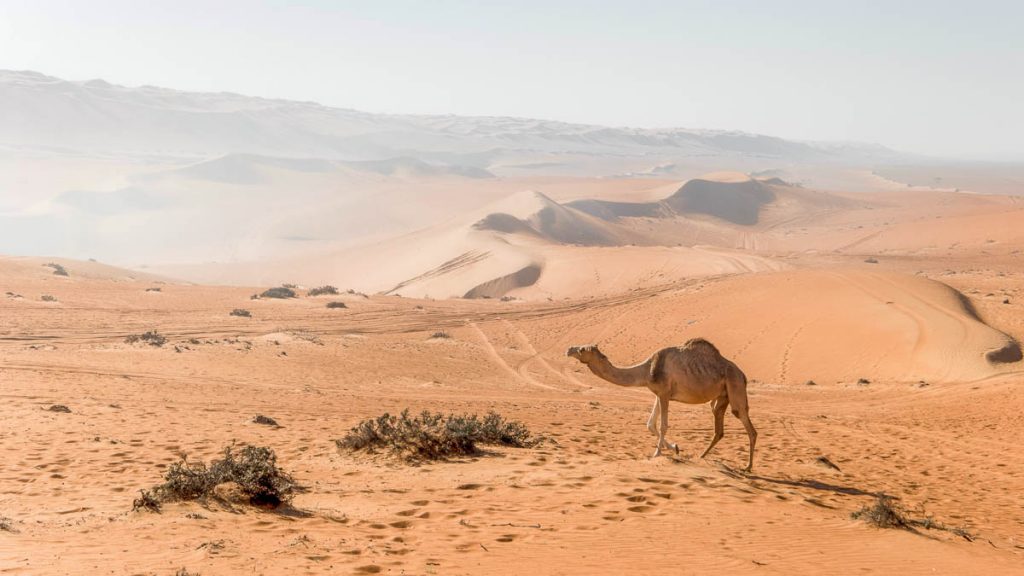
737 389
718 408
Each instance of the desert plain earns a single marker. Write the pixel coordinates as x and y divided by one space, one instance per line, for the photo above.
879 332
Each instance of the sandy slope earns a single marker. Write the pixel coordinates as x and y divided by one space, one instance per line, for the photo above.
592 502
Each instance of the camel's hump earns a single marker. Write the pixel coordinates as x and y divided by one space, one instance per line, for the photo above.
700 345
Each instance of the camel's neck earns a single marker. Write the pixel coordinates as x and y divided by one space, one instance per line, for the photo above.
639 375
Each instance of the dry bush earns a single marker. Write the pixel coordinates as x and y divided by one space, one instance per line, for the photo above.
59 408
885 512
153 338
253 468
328 289
58 270
279 292
154 289
241 312
440 334
6 524
48 298
430 436
337 305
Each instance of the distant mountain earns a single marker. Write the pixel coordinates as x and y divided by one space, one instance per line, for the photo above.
40 112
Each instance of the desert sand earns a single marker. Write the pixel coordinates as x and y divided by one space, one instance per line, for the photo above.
879 333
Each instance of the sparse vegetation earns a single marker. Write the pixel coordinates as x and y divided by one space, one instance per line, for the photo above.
431 436
58 270
863 381
440 334
153 338
153 289
279 292
254 469
290 286
48 298
354 293
146 501
871 260
336 304
241 312
265 420
13 295
328 289
59 408
6 525
185 572
885 512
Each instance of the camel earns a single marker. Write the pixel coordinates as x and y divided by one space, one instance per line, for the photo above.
694 373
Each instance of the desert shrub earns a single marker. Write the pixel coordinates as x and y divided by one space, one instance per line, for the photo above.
58 270
871 260
279 292
440 334
146 501
885 512
431 436
153 338
153 289
6 525
241 312
336 305
328 289
59 408
266 420
863 381
354 293
48 298
290 286
253 468
185 572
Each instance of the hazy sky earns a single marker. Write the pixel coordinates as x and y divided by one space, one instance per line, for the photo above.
935 77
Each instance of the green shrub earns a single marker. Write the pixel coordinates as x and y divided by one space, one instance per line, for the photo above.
430 436
58 270
328 289
279 292
153 338
253 468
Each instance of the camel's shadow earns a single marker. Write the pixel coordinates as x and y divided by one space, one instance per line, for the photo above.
801 483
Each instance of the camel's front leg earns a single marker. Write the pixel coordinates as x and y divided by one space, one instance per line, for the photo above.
663 410
651 422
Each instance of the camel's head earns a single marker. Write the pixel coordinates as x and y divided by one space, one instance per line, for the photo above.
584 354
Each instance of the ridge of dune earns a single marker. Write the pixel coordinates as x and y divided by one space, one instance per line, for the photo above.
36 268
834 325
533 213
